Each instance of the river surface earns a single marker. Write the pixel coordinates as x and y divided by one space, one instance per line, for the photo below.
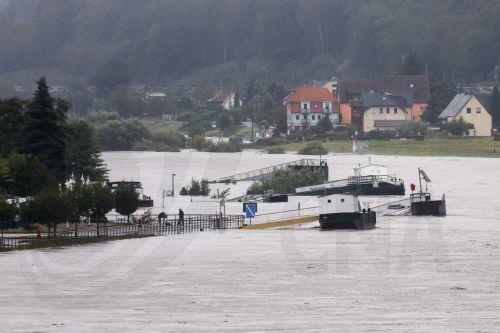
410 274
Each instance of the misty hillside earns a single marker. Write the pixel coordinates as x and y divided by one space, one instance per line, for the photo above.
234 41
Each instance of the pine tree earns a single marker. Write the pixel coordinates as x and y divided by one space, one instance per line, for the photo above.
44 131
84 157
495 108
412 65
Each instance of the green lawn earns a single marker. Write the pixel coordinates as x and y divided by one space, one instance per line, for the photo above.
431 147
436 147
162 126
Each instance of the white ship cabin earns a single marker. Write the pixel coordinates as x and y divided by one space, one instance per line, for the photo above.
339 203
371 170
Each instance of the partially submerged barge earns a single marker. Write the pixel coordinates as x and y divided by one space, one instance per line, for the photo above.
368 179
344 212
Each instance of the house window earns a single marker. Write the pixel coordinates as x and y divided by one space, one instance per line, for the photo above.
478 110
381 110
469 110
313 117
395 110
388 110
305 106
319 117
305 116
297 117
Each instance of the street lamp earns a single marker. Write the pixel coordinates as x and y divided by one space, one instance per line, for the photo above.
173 186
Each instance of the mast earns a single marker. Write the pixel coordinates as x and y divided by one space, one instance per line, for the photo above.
420 179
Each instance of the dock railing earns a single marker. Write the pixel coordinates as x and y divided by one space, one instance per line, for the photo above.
258 174
167 226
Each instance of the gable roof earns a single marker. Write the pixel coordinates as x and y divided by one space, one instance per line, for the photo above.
349 87
455 106
417 85
401 84
373 99
220 97
310 94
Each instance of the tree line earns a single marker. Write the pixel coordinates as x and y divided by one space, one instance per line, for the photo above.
233 41
40 150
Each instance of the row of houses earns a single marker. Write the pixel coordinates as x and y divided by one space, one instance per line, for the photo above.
385 104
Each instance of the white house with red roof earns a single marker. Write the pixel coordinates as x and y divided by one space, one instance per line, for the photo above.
223 99
307 105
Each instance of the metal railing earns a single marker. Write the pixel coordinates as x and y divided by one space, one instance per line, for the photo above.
252 175
348 182
285 214
162 227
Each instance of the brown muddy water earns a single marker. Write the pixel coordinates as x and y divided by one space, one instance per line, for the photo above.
408 275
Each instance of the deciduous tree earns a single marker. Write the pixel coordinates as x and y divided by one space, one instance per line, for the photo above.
126 201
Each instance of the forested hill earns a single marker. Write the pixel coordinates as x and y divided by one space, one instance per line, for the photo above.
227 41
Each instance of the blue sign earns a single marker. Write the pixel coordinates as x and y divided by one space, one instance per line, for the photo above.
250 210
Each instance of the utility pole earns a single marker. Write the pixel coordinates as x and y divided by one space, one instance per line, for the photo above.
252 131
173 186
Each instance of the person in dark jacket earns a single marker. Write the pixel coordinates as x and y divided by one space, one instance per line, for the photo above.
181 217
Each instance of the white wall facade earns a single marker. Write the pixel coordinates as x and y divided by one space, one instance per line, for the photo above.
384 113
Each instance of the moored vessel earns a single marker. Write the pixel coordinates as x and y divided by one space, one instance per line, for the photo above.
422 203
344 212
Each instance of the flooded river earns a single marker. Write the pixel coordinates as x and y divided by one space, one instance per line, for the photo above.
408 275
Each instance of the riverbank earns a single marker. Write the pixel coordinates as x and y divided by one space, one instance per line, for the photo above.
56 242
431 147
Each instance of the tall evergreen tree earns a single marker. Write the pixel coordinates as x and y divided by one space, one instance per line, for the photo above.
84 157
412 65
12 113
44 131
495 106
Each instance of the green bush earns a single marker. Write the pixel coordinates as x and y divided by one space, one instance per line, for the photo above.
197 188
314 148
122 134
199 142
457 127
148 145
276 150
413 129
224 147
286 181
172 139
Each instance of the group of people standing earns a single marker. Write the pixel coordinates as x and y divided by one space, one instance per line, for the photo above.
180 220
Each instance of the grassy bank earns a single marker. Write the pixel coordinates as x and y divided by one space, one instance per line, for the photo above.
162 126
431 147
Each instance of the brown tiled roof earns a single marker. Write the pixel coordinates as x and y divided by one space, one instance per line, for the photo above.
310 94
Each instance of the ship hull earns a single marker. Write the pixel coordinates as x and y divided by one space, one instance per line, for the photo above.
357 221
429 208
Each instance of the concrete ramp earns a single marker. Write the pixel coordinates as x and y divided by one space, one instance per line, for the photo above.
283 223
